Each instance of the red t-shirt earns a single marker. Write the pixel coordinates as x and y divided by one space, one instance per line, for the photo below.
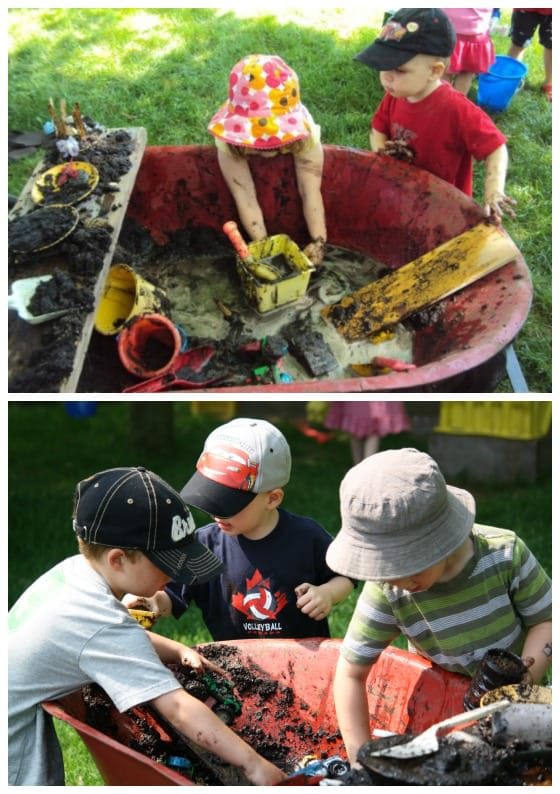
445 130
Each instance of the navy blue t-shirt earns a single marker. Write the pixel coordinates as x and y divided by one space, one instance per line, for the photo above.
254 596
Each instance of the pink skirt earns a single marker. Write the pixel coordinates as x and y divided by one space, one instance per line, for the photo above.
472 54
363 419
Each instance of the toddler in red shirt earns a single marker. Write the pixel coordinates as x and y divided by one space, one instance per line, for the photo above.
422 118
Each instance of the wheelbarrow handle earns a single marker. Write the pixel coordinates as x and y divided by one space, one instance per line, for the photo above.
231 230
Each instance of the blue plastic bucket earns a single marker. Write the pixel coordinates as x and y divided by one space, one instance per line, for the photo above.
498 85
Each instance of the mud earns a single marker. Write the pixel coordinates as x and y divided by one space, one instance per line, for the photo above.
197 271
79 254
61 292
40 229
291 735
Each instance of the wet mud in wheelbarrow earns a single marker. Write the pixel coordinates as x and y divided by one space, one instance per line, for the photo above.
287 715
380 213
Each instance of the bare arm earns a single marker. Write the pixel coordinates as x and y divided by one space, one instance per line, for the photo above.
309 175
350 699
200 725
316 601
238 177
538 646
495 200
173 652
377 140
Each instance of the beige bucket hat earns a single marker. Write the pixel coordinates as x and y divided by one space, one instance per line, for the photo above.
399 517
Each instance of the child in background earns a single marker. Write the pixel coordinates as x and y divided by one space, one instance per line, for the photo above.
69 628
422 118
452 587
367 423
524 22
474 50
275 581
263 116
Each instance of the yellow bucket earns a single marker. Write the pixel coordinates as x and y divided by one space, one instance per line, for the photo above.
266 295
126 294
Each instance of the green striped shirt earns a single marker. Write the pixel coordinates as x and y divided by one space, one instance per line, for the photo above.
500 593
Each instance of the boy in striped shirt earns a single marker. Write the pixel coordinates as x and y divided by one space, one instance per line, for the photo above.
452 587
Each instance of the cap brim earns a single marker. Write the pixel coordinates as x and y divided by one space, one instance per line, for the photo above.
190 563
382 57
214 498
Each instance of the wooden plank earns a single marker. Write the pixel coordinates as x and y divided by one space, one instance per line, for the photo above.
23 339
422 282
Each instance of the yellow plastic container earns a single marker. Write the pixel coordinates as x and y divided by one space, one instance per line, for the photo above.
126 294
223 409
144 617
269 295
524 421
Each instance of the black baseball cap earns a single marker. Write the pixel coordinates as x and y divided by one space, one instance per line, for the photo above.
410 32
133 508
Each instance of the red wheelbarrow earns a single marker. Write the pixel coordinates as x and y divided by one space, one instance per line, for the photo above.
405 692
376 207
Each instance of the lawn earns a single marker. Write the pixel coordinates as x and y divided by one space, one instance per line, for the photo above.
162 69
49 451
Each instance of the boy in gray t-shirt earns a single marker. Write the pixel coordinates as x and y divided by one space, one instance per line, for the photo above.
69 627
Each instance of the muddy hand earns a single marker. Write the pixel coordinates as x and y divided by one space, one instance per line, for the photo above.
315 251
497 205
527 678
200 664
399 150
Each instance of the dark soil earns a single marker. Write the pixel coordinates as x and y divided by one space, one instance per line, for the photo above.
40 229
61 292
462 763
109 153
69 192
80 255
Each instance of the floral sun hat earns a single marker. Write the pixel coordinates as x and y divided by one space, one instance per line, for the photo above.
263 109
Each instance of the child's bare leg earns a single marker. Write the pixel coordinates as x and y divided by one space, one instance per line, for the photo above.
357 448
370 445
463 82
516 52
547 54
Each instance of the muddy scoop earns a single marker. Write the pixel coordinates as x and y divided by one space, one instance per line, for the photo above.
23 292
427 742
457 762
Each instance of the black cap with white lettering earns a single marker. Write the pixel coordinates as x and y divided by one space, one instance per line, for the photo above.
133 508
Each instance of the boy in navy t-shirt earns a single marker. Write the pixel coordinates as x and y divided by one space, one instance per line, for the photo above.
275 582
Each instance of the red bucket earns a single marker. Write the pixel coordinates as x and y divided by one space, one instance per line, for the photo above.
149 345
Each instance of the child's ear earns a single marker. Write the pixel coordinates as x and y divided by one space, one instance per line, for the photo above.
438 69
116 558
275 497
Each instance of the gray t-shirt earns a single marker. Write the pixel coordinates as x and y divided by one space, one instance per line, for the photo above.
65 631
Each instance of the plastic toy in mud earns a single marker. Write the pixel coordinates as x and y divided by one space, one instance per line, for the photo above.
394 214
68 183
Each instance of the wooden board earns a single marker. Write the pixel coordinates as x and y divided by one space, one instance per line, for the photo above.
24 340
422 282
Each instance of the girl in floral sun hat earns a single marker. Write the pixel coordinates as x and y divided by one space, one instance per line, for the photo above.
263 115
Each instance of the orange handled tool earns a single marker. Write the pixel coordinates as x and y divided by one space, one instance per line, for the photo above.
259 270
231 229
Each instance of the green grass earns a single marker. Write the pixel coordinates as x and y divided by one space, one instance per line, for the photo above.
48 451
162 69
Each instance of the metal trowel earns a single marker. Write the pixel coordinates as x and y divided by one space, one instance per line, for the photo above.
23 290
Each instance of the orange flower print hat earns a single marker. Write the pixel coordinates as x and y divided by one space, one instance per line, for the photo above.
263 109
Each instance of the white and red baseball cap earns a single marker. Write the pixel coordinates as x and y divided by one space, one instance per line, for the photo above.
240 459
